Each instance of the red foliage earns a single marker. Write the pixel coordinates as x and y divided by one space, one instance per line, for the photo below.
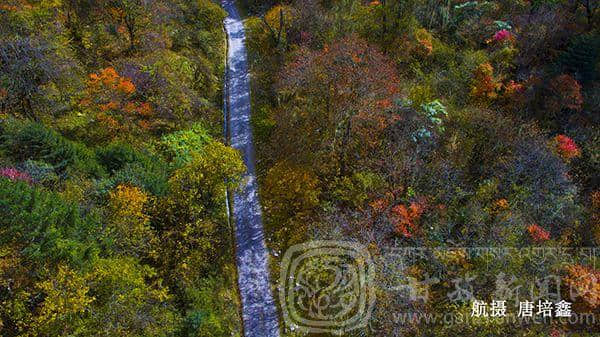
485 86
566 147
15 175
354 83
405 218
537 233
502 35
111 97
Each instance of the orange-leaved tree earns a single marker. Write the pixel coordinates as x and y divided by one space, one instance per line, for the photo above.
112 102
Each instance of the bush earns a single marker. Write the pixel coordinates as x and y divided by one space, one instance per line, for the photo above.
130 166
179 146
151 174
357 189
116 155
25 140
48 228
41 172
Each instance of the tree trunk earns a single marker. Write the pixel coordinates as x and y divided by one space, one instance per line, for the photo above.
27 108
589 13
344 149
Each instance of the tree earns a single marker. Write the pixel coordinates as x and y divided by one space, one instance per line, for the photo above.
131 14
564 94
289 190
344 89
128 224
191 219
27 65
113 105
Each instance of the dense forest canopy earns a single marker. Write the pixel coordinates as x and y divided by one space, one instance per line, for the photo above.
113 170
433 124
389 123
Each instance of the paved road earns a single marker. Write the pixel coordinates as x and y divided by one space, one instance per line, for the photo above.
259 313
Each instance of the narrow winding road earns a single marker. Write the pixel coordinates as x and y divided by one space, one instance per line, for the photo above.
258 307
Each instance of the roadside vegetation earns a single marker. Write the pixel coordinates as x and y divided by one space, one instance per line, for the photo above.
433 124
113 170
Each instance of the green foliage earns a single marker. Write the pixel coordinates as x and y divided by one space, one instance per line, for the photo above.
198 189
31 140
358 189
435 111
179 146
582 56
41 172
151 174
115 156
78 240
211 306
48 228
121 292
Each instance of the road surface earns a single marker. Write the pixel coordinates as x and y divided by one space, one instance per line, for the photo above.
258 307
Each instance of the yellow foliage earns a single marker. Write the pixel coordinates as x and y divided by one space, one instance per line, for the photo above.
290 189
425 42
127 220
485 87
66 298
584 282
128 201
273 16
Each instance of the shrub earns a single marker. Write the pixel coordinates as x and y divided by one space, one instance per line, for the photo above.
116 155
566 147
485 87
502 35
48 228
151 174
357 189
30 140
15 175
179 146
40 172
537 233
128 223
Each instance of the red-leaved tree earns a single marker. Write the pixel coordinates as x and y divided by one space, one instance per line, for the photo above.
339 96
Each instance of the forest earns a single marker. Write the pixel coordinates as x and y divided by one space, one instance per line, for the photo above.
113 170
437 124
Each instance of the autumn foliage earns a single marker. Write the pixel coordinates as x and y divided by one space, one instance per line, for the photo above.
485 86
111 99
584 282
15 175
566 147
565 94
404 218
537 233
350 82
